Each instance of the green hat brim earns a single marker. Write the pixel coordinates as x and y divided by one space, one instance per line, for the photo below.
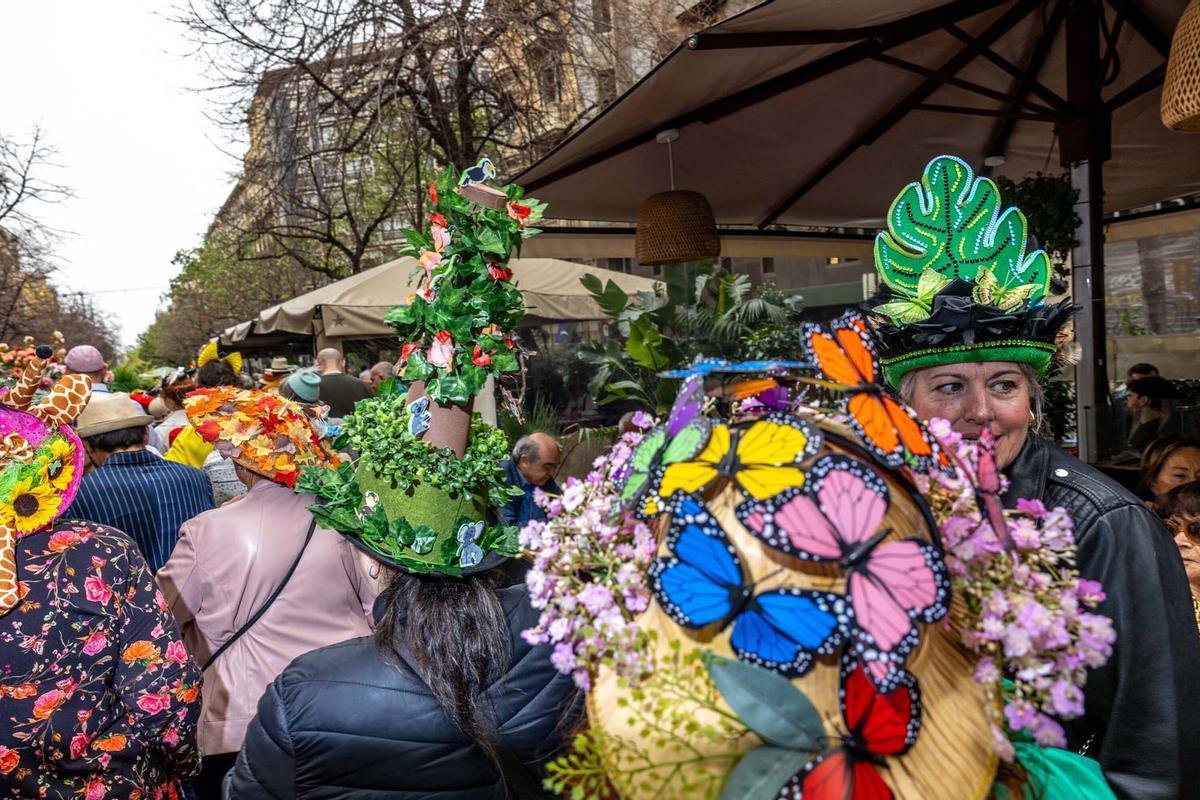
1035 354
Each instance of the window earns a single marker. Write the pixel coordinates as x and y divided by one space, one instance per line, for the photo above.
601 16
834 261
606 85
768 267
658 270
390 229
548 69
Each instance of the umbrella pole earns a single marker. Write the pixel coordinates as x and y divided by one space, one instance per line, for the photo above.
1084 146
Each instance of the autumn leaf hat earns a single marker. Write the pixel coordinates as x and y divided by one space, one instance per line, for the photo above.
41 460
958 283
263 432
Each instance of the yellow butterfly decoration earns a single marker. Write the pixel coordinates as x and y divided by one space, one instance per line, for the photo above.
763 459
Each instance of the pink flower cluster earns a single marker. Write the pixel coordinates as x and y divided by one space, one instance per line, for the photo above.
1028 608
589 572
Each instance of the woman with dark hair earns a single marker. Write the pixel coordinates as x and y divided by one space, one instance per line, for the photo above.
1180 510
174 389
1167 463
448 699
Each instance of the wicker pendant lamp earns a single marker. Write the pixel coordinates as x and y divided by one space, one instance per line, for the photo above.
1181 89
677 225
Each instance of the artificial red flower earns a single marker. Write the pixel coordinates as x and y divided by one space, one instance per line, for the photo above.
438 219
441 352
497 272
433 198
407 350
480 358
519 212
508 341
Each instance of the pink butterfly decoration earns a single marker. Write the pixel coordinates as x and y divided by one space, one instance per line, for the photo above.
892 585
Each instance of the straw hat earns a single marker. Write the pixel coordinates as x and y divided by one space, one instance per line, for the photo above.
280 366
114 412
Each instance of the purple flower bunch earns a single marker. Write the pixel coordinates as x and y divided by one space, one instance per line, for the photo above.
588 578
1029 617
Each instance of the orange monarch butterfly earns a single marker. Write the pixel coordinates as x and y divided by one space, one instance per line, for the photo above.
890 431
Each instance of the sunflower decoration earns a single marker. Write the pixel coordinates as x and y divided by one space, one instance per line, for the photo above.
30 503
56 458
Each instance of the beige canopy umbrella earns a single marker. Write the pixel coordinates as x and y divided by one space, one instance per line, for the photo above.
354 307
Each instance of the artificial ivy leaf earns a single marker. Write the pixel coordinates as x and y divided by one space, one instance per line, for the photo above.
423 540
951 222
388 387
417 368
450 389
762 772
902 312
768 704
504 361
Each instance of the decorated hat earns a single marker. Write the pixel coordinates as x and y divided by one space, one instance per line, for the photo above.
422 493
261 431
41 461
773 605
212 352
958 282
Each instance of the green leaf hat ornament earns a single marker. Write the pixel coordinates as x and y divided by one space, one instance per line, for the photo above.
959 281
429 472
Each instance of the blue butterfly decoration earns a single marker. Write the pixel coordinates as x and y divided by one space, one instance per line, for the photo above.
418 420
720 366
702 584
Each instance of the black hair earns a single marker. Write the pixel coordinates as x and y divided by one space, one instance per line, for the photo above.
1142 368
455 635
215 373
118 439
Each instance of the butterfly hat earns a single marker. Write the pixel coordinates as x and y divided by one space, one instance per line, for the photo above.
41 460
958 282
422 491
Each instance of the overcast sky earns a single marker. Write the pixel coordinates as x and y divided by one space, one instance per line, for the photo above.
110 84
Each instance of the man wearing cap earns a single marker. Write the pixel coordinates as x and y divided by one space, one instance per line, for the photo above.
129 488
83 359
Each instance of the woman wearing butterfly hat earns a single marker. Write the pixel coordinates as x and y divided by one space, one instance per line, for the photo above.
255 583
965 333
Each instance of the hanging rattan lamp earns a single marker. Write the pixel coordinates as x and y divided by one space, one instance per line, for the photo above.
677 225
1181 90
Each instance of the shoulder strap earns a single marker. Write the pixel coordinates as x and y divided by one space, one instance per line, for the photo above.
263 609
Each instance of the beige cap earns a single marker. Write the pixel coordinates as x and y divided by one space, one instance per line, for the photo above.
111 412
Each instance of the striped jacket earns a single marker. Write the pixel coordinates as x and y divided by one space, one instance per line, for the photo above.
147 497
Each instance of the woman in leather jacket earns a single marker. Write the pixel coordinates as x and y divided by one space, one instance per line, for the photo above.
965 331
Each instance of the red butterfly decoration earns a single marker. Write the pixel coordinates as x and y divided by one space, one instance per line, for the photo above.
891 431
878 726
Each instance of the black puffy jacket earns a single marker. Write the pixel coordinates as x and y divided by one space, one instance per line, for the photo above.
348 721
1140 720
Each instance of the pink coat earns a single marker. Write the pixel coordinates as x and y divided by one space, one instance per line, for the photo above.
227 563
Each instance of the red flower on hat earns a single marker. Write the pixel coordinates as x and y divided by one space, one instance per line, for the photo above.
406 351
433 198
441 352
209 430
438 219
480 358
497 272
519 212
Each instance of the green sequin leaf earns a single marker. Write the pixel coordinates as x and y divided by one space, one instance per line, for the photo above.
952 223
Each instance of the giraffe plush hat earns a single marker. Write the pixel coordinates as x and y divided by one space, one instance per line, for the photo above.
41 461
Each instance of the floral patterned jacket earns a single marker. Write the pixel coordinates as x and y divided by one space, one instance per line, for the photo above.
98 698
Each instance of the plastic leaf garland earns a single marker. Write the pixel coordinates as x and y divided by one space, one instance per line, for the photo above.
457 330
952 223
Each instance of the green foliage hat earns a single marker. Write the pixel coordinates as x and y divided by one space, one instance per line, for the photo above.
958 283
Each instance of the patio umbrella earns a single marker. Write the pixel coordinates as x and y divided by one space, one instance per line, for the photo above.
816 113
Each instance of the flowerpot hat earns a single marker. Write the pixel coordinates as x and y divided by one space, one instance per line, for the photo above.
958 282
261 431
41 461
422 493
778 605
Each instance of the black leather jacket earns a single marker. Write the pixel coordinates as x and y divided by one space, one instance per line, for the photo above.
1141 721
349 721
